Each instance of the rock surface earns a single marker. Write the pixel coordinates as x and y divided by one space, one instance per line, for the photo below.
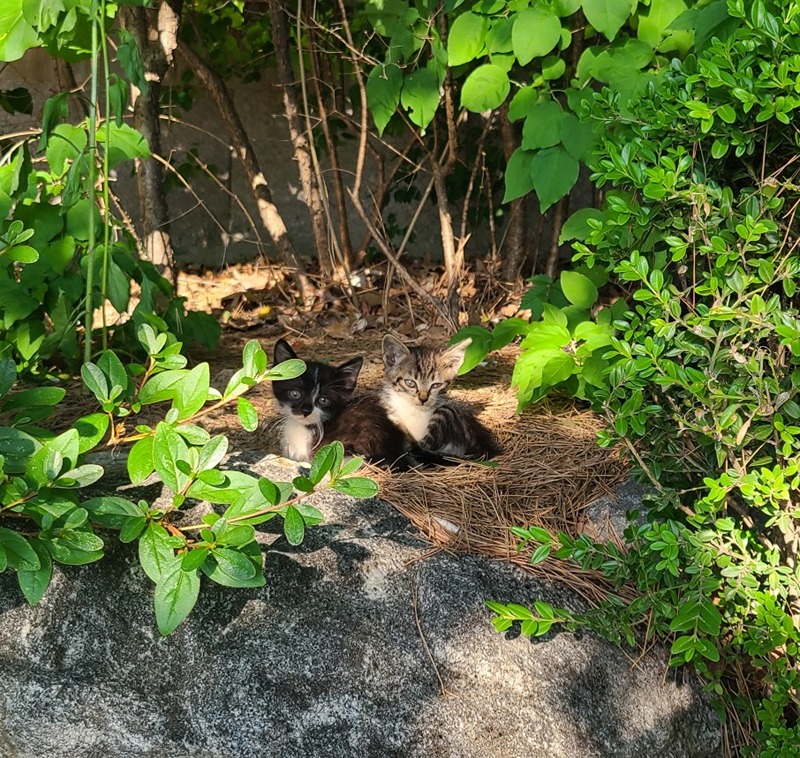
361 644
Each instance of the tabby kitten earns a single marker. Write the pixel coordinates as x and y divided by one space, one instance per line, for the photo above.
415 399
311 401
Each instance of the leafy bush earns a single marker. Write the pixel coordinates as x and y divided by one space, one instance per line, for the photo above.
562 346
63 252
42 476
699 227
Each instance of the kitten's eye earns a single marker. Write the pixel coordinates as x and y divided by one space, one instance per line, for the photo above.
323 402
437 385
295 394
410 383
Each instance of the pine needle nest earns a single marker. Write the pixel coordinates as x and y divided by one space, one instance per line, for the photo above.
551 469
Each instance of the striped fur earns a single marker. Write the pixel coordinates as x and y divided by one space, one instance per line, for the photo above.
415 399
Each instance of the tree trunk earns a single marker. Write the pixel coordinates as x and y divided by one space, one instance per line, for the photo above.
302 152
517 218
156 35
268 213
333 157
554 258
453 255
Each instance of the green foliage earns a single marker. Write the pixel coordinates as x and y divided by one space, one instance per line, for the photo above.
702 369
511 53
62 252
562 345
42 476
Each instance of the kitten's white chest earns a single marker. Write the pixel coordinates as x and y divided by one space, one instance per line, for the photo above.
411 417
298 440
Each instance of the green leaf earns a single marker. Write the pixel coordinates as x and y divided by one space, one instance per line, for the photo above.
19 552
8 375
140 460
654 26
577 138
48 462
16 34
95 380
540 554
21 254
169 450
542 127
420 96
607 16
384 85
557 369
477 350
175 596
235 535
522 103
55 109
91 430
112 367
74 548
34 582
111 511
565 7
213 571
132 528
350 467
536 32
578 289
286 370
357 486
293 525
466 38
555 172
80 476
212 453
163 386
65 143
326 459
195 558
248 416
507 331
485 89
577 225
720 147
17 448
553 67
234 564
155 551
130 59
310 514
519 179
303 483
125 143
192 391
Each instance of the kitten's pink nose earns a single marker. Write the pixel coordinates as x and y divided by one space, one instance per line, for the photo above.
423 397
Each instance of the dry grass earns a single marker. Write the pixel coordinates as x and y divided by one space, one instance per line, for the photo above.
550 471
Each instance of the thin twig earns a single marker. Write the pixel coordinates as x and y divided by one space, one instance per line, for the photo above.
415 606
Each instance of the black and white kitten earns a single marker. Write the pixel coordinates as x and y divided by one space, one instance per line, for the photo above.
311 401
415 398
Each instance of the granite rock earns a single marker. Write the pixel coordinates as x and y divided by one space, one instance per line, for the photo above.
361 644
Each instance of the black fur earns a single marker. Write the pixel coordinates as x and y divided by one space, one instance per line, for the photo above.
321 387
365 430
360 423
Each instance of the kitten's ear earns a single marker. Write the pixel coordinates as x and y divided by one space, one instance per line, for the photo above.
453 357
394 351
283 351
349 372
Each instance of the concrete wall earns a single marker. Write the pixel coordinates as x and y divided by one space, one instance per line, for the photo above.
209 228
